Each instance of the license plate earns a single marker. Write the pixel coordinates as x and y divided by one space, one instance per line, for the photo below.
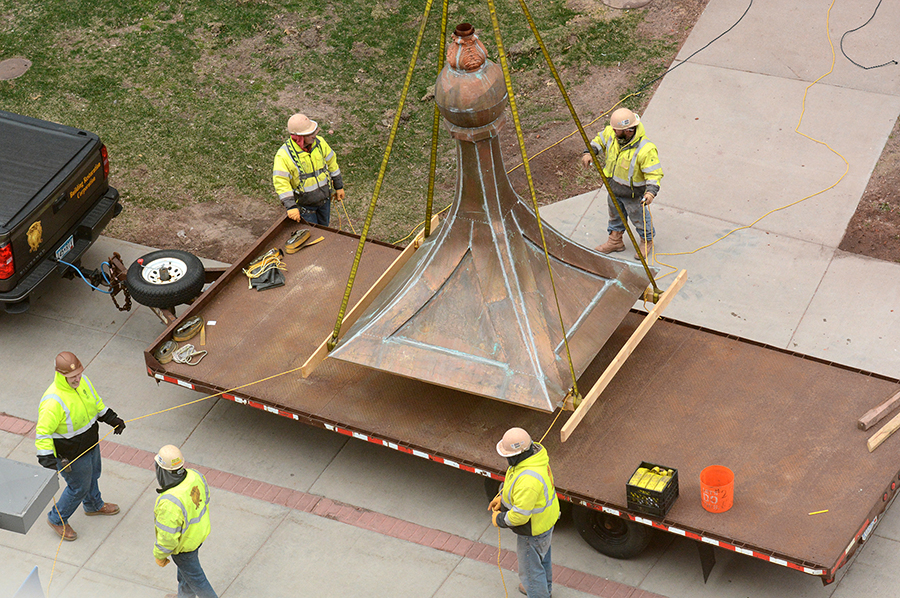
65 248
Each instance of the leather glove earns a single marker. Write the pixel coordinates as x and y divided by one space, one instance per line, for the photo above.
162 562
648 198
118 425
494 515
495 504
48 461
294 214
339 194
586 160
62 464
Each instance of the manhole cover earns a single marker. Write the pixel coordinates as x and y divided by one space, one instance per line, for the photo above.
626 4
13 67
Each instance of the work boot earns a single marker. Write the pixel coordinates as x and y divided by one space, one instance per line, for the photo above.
646 248
613 243
65 531
521 589
108 508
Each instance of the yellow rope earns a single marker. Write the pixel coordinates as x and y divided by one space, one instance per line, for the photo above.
796 130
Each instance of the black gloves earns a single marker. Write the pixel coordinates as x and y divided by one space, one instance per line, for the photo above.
118 423
48 461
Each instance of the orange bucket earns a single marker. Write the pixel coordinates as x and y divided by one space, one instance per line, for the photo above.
716 488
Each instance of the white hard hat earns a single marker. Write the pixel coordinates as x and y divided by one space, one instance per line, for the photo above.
170 458
623 118
514 442
300 124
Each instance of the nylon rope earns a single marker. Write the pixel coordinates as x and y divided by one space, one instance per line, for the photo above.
495 24
380 180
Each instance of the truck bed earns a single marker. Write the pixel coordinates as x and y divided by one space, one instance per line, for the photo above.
686 398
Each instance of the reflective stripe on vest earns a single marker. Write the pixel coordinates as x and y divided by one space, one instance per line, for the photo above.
70 433
548 499
316 173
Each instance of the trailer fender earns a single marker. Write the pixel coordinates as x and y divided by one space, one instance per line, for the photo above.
613 536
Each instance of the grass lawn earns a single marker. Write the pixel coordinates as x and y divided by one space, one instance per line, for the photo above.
192 98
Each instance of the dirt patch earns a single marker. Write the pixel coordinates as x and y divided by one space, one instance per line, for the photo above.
874 229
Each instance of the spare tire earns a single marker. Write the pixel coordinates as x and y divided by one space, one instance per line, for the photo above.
166 278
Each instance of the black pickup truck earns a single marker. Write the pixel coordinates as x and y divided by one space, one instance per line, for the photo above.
55 199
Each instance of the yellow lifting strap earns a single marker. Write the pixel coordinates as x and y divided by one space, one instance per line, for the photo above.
332 342
515 114
587 143
435 126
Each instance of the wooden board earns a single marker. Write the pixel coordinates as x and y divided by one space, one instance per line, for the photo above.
874 415
623 354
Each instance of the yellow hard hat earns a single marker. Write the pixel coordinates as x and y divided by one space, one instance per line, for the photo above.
514 442
623 118
300 124
169 458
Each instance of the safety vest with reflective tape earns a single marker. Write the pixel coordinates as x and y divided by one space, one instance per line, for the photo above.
634 165
67 418
182 516
307 173
529 497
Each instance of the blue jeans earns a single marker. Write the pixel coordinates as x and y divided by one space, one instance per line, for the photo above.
191 578
634 211
81 487
317 215
535 569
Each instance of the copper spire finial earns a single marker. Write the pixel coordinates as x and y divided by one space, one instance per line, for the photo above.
466 52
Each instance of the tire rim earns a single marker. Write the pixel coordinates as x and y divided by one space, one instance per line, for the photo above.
151 272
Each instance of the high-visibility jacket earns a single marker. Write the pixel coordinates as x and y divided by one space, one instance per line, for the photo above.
182 516
304 178
67 419
528 496
634 165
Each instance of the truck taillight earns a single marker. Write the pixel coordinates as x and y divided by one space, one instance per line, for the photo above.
7 268
104 156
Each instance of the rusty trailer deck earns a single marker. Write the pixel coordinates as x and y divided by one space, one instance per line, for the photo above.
686 398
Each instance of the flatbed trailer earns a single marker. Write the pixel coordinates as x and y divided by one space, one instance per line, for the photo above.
688 397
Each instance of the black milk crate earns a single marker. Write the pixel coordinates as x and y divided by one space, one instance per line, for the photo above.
652 502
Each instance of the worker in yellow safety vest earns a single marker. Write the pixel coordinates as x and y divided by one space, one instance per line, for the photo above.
182 522
306 173
67 440
634 173
527 504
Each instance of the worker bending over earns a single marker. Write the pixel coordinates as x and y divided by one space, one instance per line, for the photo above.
527 504
634 173
306 173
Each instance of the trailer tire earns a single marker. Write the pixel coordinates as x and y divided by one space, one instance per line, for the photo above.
613 536
185 283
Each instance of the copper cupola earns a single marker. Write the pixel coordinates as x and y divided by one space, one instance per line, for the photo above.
474 309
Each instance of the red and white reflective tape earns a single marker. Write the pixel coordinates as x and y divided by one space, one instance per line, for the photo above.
706 539
488 474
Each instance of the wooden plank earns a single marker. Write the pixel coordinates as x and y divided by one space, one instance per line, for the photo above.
874 415
882 434
614 366
351 316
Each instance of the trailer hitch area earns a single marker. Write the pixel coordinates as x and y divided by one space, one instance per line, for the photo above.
118 274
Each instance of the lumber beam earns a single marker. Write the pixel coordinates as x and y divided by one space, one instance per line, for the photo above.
883 434
874 415
614 366
351 316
